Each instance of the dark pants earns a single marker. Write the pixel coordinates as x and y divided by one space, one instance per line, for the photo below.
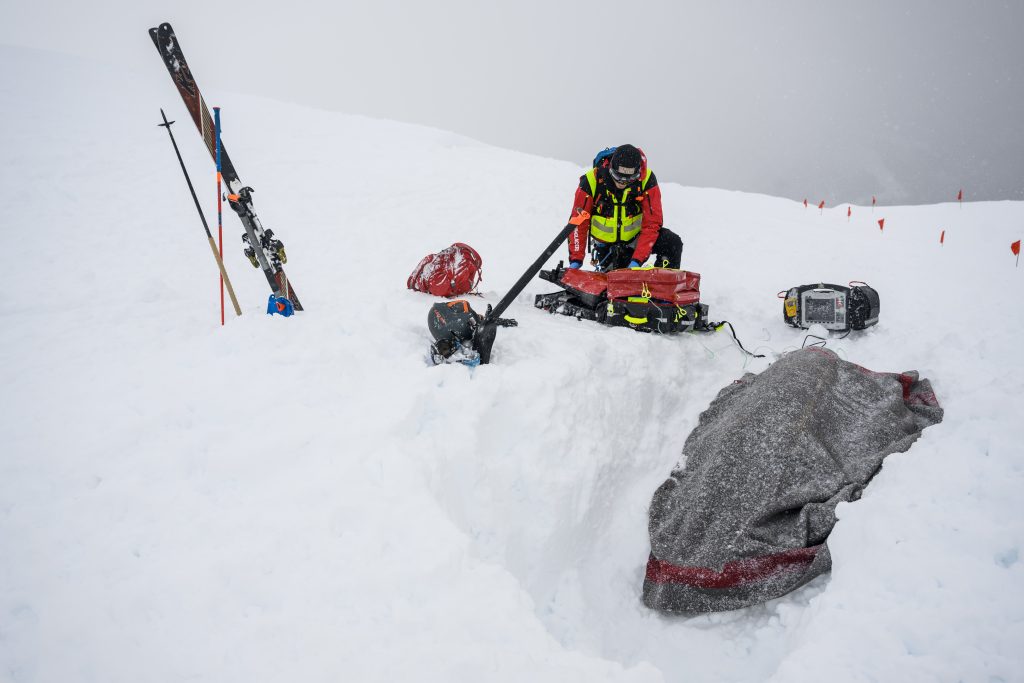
667 250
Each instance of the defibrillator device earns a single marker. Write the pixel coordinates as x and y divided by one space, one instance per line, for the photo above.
834 307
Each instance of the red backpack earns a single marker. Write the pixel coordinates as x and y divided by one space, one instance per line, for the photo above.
451 272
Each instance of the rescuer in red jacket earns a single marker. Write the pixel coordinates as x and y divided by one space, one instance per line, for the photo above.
624 201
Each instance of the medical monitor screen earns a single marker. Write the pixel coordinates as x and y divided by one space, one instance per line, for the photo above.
820 310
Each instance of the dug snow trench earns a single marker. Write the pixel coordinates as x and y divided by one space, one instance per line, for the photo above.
556 488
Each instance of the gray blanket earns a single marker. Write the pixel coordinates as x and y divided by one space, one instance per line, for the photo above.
747 517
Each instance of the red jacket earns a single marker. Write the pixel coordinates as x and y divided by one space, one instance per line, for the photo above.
649 204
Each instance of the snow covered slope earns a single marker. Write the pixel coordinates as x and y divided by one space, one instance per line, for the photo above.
303 499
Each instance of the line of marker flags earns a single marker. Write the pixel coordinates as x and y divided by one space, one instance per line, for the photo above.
1014 247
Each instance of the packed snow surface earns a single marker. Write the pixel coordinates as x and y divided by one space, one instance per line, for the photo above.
304 499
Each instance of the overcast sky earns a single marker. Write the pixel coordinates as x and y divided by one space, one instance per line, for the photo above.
906 101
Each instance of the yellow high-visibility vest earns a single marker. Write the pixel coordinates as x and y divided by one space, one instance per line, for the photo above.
620 226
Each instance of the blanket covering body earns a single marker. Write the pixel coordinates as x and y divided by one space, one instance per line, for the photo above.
745 517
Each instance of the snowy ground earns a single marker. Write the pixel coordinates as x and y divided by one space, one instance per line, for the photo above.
303 499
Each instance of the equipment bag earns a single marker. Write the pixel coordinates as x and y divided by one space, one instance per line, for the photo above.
834 307
666 284
450 272
646 315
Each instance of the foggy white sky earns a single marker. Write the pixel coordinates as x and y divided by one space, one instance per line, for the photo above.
907 101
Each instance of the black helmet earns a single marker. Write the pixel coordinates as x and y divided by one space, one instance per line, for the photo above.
452 320
626 163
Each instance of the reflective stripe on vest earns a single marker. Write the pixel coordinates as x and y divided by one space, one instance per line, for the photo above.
619 227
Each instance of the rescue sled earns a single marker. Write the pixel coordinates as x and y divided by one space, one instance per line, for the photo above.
659 300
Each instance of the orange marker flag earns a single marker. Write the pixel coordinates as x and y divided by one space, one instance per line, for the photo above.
805 202
822 206
942 237
1015 248
960 195
881 224
849 210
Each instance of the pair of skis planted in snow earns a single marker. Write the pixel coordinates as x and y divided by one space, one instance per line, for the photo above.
262 249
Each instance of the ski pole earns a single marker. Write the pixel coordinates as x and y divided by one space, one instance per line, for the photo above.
220 221
216 255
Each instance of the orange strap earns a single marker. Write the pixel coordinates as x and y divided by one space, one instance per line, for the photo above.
579 218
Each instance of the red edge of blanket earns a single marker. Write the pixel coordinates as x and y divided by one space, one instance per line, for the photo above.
736 573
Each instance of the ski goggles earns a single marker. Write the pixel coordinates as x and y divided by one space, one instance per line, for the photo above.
623 174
